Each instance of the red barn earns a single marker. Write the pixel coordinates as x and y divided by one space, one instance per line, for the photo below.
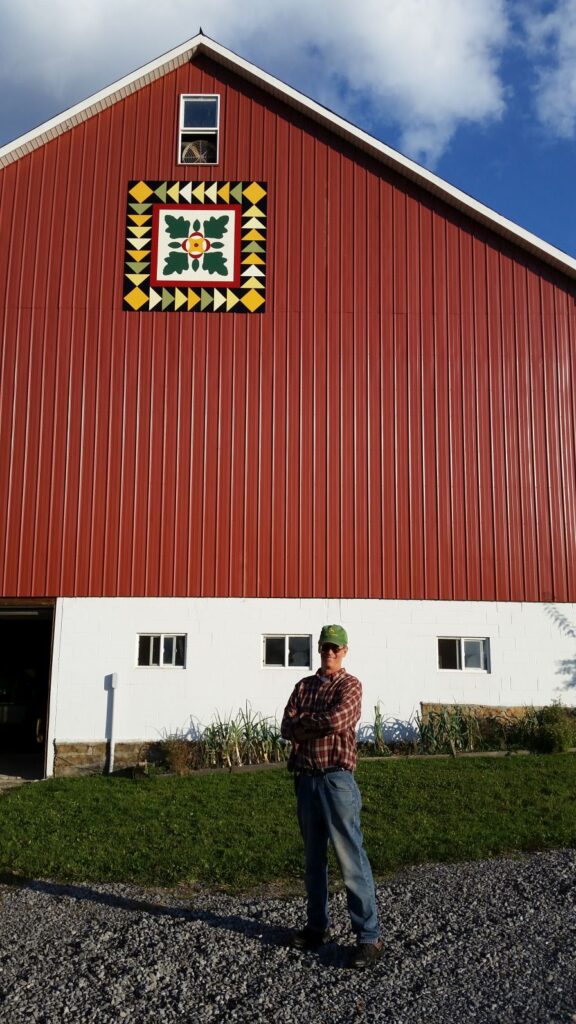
259 372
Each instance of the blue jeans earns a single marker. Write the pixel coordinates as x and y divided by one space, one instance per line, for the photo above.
329 809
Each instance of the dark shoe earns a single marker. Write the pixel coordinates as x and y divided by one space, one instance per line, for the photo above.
367 954
309 938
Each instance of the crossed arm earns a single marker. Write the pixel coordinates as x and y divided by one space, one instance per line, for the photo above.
300 726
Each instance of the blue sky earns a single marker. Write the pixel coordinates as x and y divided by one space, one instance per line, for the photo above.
482 92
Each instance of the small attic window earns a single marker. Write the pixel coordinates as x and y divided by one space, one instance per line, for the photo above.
198 129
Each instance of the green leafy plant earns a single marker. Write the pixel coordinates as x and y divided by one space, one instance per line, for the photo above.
227 742
554 730
449 731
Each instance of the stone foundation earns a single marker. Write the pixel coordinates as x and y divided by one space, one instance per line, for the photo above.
94 758
478 710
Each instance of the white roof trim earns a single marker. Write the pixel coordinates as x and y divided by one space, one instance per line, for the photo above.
406 167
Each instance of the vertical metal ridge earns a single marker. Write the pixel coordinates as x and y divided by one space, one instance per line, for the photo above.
539 441
566 442
567 433
11 364
531 578
414 368
427 410
195 490
553 467
182 457
211 458
359 391
39 534
499 535
234 467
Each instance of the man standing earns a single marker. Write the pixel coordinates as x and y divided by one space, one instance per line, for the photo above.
320 721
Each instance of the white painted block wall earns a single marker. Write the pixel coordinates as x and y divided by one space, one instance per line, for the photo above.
393 650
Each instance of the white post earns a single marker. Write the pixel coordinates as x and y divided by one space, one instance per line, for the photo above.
113 688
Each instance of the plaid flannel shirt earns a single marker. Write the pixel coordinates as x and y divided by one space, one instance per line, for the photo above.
329 706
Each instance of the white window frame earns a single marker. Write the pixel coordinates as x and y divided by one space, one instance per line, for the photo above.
286 637
162 637
191 130
484 640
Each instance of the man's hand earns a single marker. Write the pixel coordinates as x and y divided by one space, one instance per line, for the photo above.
302 730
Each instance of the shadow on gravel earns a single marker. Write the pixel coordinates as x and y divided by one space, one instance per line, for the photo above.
253 928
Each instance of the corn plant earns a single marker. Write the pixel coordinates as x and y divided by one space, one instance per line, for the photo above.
449 731
380 745
224 736
227 742
251 735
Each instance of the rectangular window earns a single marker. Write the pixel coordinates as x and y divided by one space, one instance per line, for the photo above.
466 654
162 650
198 129
287 651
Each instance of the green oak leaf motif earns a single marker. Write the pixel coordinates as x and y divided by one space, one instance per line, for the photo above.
177 227
215 263
176 263
216 227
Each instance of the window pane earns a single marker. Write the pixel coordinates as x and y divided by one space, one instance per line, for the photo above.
155 650
299 650
274 647
168 651
144 650
449 652
474 654
198 149
180 650
201 113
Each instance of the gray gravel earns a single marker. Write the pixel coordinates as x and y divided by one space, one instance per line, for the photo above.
492 942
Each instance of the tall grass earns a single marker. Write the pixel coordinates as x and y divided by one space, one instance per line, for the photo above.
449 731
453 730
247 738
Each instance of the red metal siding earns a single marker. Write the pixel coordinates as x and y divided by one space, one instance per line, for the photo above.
400 423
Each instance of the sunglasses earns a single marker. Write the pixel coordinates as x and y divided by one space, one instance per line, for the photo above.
324 648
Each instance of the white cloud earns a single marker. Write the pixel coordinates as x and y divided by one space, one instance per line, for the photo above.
552 41
430 63
424 65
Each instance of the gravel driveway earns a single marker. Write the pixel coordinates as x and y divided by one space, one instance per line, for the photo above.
492 942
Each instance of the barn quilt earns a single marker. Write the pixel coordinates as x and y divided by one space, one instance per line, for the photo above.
195 247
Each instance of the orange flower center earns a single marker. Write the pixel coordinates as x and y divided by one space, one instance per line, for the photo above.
196 244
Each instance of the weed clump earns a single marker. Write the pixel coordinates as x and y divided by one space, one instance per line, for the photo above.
453 730
554 730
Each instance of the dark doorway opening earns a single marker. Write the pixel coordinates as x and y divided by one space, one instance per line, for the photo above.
25 657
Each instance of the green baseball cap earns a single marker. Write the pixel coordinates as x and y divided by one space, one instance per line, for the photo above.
334 635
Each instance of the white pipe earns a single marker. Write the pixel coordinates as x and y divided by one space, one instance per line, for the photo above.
113 688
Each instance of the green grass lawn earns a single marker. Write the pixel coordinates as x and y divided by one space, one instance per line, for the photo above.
240 830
